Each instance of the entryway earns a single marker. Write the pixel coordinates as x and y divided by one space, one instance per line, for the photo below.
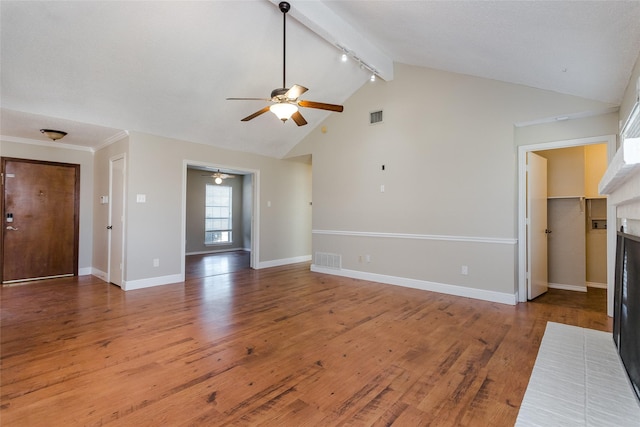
220 229
41 210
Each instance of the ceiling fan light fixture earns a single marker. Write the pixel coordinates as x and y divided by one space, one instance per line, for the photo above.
218 180
283 110
53 134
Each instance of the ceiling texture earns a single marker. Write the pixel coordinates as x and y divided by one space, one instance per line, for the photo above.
97 69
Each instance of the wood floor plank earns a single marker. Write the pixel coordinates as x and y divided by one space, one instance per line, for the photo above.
274 347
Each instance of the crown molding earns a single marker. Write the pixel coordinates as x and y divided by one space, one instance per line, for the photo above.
115 138
48 144
564 117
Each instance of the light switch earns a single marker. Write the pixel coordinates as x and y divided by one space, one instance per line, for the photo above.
141 198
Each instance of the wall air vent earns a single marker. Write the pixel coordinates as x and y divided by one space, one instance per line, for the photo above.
375 117
324 259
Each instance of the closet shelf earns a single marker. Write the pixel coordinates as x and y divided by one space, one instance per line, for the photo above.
577 197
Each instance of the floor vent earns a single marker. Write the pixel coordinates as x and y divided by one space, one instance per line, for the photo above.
328 260
375 117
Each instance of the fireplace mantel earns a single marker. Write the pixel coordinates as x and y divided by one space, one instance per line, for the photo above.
621 181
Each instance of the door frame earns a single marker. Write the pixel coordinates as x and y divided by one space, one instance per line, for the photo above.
610 140
255 209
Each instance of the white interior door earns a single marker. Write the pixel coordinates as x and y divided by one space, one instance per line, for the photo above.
116 222
537 263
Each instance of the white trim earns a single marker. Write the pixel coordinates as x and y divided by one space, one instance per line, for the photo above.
49 144
562 286
114 138
99 274
495 240
610 140
443 288
624 165
596 285
130 285
563 117
283 261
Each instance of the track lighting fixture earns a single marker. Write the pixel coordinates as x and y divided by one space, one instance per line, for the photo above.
346 54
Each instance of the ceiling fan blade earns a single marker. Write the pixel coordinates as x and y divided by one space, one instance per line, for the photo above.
248 99
295 91
321 106
297 117
256 114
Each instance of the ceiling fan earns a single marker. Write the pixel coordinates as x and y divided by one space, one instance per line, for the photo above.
219 176
285 100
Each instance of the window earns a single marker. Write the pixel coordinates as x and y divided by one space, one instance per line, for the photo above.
218 225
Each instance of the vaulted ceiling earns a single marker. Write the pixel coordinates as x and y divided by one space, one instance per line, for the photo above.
98 68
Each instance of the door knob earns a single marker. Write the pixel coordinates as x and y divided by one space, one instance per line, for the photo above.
10 227
109 227
547 231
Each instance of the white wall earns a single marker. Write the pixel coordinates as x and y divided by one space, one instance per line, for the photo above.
450 199
84 158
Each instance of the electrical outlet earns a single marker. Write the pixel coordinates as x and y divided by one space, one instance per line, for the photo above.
464 270
156 262
367 258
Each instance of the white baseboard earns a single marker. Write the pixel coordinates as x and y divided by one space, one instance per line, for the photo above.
284 261
597 285
576 288
152 281
99 274
461 291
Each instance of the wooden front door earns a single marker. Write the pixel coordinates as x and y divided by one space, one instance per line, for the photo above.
40 208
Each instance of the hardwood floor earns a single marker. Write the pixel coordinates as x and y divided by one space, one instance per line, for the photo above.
203 265
275 347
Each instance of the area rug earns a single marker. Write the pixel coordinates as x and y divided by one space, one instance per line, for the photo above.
578 380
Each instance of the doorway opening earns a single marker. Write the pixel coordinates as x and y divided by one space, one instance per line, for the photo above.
524 269
219 231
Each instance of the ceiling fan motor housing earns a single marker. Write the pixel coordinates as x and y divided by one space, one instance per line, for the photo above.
276 94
